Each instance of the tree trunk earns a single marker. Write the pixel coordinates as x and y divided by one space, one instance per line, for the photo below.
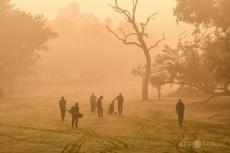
159 93
145 87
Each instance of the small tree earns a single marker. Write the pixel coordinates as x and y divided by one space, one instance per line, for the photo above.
139 36
157 81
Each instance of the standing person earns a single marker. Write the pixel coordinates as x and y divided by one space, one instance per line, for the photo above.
62 105
75 115
100 107
120 102
93 102
180 107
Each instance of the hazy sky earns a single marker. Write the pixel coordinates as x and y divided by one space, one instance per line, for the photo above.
98 7
65 47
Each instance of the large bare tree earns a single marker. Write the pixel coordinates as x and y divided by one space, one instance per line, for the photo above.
138 38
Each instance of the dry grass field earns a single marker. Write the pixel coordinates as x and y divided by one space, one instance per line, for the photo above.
31 124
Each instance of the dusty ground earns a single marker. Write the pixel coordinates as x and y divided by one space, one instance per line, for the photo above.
32 125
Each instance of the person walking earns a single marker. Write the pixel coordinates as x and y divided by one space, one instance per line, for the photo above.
62 105
75 115
100 106
180 107
93 102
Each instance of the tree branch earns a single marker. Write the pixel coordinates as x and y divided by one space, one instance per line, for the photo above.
181 37
116 8
135 3
124 39
144 25
157 42
200 38
127 35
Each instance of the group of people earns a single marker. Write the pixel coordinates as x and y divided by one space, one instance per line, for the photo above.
98 104
74 112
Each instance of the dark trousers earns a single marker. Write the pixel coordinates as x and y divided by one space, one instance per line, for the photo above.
63 114
74 121
100 112
180 117
120 108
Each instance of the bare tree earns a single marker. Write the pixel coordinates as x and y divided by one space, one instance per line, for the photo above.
140 41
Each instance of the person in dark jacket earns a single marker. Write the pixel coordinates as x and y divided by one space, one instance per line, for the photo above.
62 105
75 115
180 107
100 107
120 103
93 102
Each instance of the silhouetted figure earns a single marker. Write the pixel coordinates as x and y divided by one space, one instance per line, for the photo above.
62 105
100 107
93 102
111 108
75 115
120 101
180 107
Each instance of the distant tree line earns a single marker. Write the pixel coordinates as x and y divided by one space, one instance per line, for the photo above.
22 38
201 59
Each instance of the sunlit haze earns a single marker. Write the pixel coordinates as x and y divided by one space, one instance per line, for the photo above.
100 8
114 76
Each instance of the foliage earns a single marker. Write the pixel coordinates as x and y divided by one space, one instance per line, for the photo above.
158 80
202 64
22 38
139 71
210 13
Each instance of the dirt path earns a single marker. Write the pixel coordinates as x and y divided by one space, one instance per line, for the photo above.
112 144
